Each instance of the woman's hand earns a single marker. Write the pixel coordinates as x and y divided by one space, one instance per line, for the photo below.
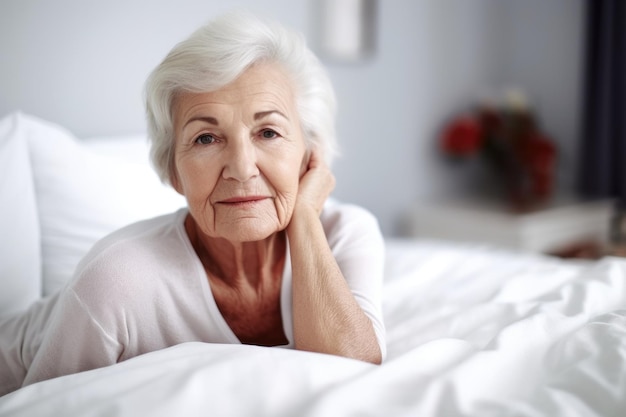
326 316
316 184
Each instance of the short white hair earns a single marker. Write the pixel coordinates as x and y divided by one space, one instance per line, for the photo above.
219 52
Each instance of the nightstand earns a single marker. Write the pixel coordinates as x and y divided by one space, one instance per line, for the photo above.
552 228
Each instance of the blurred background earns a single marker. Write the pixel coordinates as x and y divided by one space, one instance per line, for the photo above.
403 71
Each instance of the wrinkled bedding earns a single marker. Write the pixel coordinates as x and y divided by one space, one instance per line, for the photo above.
471 331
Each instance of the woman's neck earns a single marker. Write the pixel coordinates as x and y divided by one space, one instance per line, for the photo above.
238 264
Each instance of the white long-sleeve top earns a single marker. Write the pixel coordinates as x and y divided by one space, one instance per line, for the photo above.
143 288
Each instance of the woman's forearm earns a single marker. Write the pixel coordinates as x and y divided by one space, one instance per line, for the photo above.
327 318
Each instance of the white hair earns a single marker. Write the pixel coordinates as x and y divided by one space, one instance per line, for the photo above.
219 52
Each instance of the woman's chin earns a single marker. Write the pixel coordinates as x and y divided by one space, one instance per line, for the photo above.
248 231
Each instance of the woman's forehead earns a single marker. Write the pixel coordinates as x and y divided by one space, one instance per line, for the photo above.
260 89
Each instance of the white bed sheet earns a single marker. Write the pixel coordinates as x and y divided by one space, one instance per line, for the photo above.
471 331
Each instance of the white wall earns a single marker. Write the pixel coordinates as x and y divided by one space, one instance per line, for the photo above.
546 39
82 64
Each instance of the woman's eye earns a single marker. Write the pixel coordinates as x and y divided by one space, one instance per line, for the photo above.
205 139
268 134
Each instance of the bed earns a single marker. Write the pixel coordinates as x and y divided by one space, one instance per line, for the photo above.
472 330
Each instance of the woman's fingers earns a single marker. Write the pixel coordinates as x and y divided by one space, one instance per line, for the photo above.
317 183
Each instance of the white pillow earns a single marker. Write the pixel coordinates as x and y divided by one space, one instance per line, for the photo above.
20 259
83 196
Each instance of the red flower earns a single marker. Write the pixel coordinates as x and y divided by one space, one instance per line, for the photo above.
538 153
539 156
462 137
511 142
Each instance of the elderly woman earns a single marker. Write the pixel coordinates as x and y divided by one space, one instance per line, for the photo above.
241 122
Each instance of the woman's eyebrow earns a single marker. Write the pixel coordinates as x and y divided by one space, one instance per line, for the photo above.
263 114
206 119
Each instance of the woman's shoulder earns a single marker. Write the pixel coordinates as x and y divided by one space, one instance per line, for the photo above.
139 233
337 215
133 276
132 249
346 223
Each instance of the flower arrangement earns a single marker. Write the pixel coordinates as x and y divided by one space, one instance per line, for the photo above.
509 139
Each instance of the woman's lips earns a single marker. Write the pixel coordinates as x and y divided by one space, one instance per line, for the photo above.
238 201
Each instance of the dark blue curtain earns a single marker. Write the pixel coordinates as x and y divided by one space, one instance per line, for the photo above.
603 151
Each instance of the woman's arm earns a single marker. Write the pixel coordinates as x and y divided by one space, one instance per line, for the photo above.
72 342
327 317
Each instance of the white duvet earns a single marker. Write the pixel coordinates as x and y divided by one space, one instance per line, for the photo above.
470 331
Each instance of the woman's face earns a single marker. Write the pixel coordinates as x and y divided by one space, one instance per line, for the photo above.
239 155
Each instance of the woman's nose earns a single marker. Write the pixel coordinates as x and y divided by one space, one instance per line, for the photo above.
241 160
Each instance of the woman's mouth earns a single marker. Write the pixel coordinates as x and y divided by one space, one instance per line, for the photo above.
242 201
